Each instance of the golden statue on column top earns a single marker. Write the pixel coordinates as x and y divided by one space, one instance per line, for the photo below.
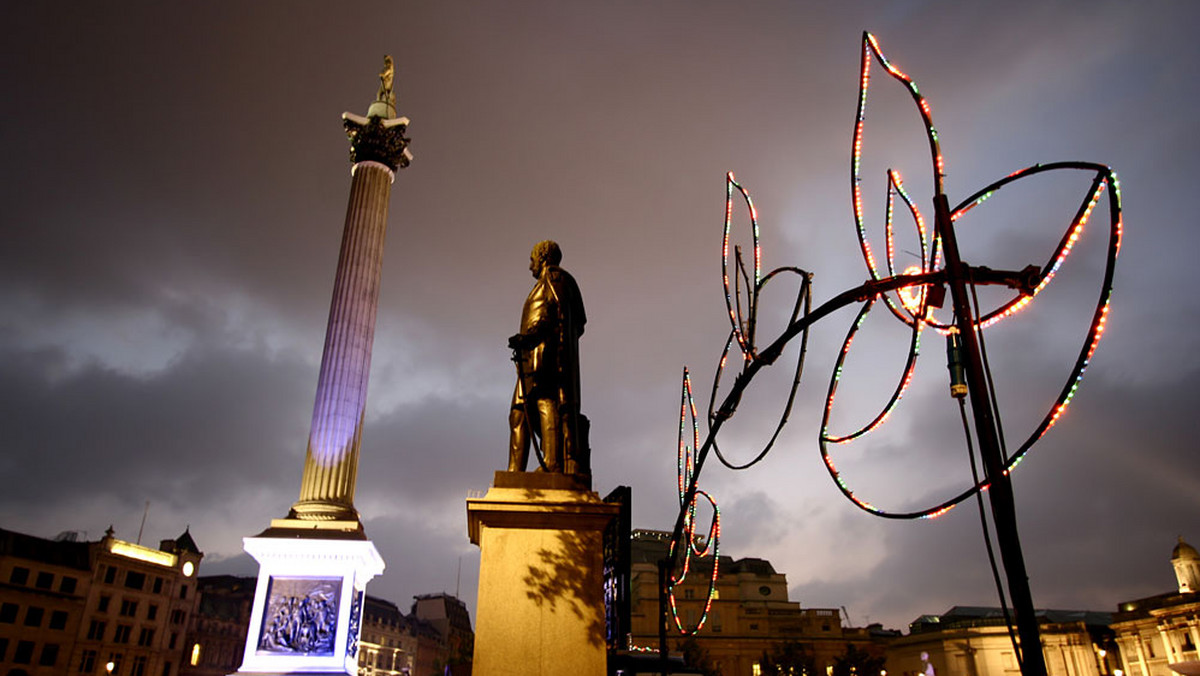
386 95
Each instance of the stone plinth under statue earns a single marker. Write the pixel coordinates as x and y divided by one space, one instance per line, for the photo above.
541 589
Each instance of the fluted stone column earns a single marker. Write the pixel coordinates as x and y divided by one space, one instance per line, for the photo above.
378 148
314 565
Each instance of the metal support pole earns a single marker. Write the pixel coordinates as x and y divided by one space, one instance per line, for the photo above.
1000 493
664 656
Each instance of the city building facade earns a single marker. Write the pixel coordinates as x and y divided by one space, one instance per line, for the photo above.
750 614
387 646
1159 635
216 636
975 641
103 607
448 615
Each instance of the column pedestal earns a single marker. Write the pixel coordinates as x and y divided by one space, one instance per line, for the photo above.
540 610
308 604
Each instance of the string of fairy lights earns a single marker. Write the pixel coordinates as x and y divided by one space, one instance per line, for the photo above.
911 297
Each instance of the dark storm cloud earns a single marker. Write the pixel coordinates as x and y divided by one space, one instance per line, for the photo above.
223 434
174 184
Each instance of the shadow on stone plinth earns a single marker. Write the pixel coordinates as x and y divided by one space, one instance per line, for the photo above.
541 583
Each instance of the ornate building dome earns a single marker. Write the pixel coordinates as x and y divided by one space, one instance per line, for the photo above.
1186 561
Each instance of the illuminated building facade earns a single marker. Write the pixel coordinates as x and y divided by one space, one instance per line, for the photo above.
750 614
387 646
104 607
974 641
393 643
1159 635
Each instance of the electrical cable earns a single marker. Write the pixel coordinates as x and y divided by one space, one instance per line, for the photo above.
987 539
959 390
991 383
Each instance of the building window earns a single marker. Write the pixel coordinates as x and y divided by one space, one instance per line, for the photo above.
139 666
174 638
151 612
33 616
44 580
96 630
146 637
177 616
87 662
19 575
689 593
121 635
110 575
49 655
135 580
3 648
58 619
128 608
24 653
67 585
183 591
166 669
102 605
8 613
115 658
158 583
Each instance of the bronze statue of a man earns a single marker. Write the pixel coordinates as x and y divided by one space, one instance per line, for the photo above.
545 401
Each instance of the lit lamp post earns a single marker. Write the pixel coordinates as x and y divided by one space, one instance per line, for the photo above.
109 667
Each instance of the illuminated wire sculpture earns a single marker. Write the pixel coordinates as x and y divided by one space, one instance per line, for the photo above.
744 323
910 296
688 548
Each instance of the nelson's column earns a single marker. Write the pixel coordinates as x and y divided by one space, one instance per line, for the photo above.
314 564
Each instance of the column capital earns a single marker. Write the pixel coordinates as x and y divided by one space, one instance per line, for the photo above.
375 139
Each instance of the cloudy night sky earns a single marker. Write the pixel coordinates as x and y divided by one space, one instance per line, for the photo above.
173 183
